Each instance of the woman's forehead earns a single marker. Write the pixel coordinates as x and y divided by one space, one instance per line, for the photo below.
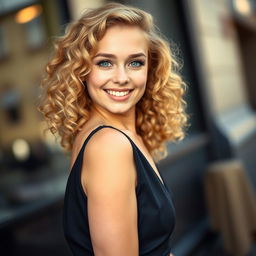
118 38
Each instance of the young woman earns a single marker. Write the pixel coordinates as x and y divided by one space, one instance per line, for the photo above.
113 96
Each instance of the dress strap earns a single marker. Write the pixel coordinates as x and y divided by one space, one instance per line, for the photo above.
118 130
94 131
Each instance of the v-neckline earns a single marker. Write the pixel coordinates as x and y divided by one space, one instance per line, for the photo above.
149 164
147 161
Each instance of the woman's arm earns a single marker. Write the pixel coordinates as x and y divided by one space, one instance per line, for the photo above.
110 184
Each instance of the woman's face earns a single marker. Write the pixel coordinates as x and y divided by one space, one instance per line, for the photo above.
120 64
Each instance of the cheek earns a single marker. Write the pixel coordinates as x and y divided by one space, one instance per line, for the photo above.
140 78
97 79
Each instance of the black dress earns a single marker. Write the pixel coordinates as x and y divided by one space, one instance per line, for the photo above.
156 213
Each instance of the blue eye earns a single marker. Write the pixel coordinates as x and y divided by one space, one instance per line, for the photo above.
104 63
137 63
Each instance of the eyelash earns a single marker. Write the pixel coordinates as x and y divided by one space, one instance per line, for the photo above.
142 63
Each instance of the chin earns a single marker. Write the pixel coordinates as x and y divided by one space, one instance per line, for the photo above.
119 111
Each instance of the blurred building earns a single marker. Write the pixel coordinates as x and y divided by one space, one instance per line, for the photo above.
32 167
215 41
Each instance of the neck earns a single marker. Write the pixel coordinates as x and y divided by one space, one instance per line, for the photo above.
121 121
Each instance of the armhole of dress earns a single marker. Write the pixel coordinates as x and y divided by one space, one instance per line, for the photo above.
134 155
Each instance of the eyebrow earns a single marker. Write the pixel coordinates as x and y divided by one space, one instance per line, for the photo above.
108 55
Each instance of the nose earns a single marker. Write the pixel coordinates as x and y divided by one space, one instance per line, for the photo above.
121 75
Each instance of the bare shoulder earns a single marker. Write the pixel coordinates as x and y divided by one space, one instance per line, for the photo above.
109 141
108 157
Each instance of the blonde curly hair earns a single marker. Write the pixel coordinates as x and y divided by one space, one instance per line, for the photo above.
65 102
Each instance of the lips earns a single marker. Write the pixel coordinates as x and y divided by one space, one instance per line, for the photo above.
119 98
119 90
112 92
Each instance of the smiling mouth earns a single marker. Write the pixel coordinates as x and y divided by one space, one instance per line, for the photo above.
118 93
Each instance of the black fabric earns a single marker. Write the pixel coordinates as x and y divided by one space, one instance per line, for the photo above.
156 213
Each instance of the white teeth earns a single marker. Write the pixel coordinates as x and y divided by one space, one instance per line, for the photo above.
117 93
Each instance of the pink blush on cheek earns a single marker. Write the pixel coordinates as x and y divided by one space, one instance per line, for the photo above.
98 78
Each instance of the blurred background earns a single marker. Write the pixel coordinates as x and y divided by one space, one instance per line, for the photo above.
211 172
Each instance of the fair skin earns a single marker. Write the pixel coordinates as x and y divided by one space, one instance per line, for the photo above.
110 190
